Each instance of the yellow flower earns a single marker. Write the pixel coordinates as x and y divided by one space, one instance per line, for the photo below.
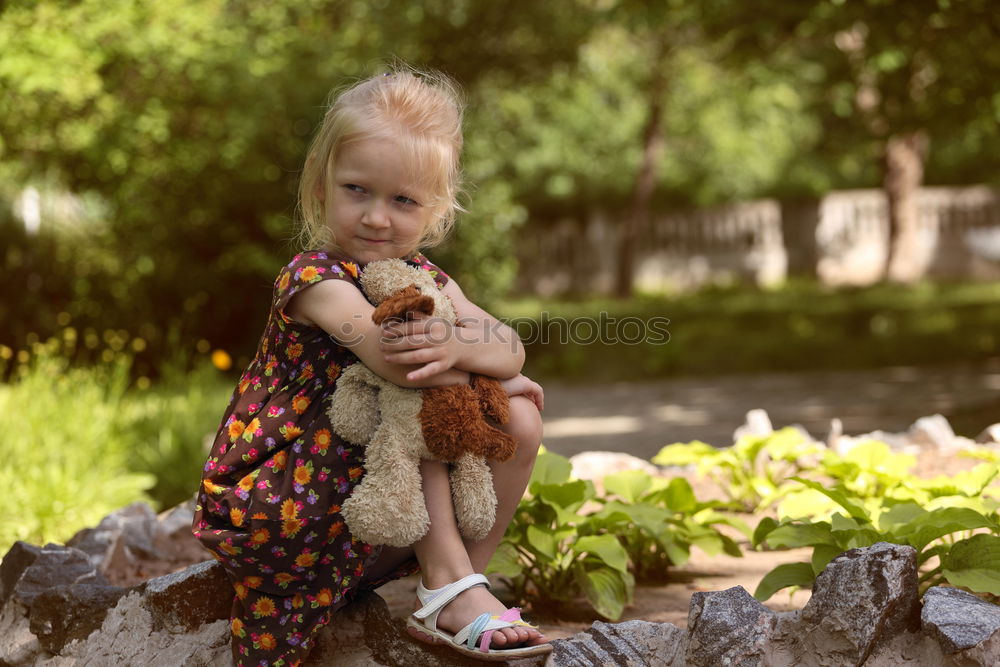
289 509
237 515
260 536
302 475
283 578
222 360
237 627
332 372
247 482
335 529
280 460
212 488
306 559
267 641
236 430
286 278
300 404
292 431
253 582
294 350
351 268
308 273
291 527
322 438
324 597
264 607
241 591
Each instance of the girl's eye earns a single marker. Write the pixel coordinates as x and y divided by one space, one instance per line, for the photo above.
353 188
403 199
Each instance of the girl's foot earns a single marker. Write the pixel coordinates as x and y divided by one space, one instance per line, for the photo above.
470 604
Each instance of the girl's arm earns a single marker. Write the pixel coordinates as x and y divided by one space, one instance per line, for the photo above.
482 344
340 309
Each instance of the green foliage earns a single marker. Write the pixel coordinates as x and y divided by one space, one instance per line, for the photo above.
84 441
565 542
753 472
949 539
658 521
66 462
554 553
802 326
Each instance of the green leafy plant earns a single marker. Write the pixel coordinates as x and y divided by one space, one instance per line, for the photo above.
754 472
66 456
957 540
658 521
554 553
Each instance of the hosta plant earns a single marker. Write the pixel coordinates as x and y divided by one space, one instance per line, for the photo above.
552 552
659 520
957 538
754 472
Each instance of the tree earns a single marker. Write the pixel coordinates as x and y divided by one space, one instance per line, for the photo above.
897 72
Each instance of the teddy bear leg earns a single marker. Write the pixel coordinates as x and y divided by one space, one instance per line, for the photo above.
354 411
388 506
473 496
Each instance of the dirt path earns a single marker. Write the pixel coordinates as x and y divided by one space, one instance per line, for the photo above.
641 417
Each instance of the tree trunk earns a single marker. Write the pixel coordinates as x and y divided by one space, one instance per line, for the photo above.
640 214
906 261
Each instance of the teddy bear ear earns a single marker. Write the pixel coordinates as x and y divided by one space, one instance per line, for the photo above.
400 305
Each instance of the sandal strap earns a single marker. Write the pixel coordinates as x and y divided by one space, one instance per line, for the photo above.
443 596
511 618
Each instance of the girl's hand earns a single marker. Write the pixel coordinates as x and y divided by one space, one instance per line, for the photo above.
430 342
519 385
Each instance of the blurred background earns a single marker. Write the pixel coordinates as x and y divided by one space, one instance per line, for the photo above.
808 192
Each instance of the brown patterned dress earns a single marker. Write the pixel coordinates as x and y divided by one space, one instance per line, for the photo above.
269 504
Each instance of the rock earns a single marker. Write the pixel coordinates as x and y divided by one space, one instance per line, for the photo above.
757 423
52 565
120 538
18 645
172 537
183 601
958 620
933 431
131 635
862 598
596 466
728 628
64 613
632 643
991 434
17 559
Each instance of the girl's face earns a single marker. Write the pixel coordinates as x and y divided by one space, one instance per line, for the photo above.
371 206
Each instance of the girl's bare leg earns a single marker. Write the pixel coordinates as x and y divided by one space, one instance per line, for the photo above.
510 478
445 557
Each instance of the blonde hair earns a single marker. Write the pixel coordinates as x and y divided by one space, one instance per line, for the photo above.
422 112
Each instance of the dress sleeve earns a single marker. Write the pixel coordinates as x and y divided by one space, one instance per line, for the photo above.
440 277
309 268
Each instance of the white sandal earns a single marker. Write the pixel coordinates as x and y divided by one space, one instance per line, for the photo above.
424 621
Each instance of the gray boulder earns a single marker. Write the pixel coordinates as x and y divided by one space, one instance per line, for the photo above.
959 620
863 598
729 627
631 644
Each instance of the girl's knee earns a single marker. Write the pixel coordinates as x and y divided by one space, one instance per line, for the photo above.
525 425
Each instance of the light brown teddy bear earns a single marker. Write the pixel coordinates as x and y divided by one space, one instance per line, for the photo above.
399 426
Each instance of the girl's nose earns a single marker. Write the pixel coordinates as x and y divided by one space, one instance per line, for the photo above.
375 215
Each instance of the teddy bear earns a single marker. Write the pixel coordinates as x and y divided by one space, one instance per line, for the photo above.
399 426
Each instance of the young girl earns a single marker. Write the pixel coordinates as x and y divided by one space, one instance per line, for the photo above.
380 181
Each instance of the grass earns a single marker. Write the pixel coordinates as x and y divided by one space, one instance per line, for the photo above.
81 442
800 327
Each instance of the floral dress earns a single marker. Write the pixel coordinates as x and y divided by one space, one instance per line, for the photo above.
269 504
